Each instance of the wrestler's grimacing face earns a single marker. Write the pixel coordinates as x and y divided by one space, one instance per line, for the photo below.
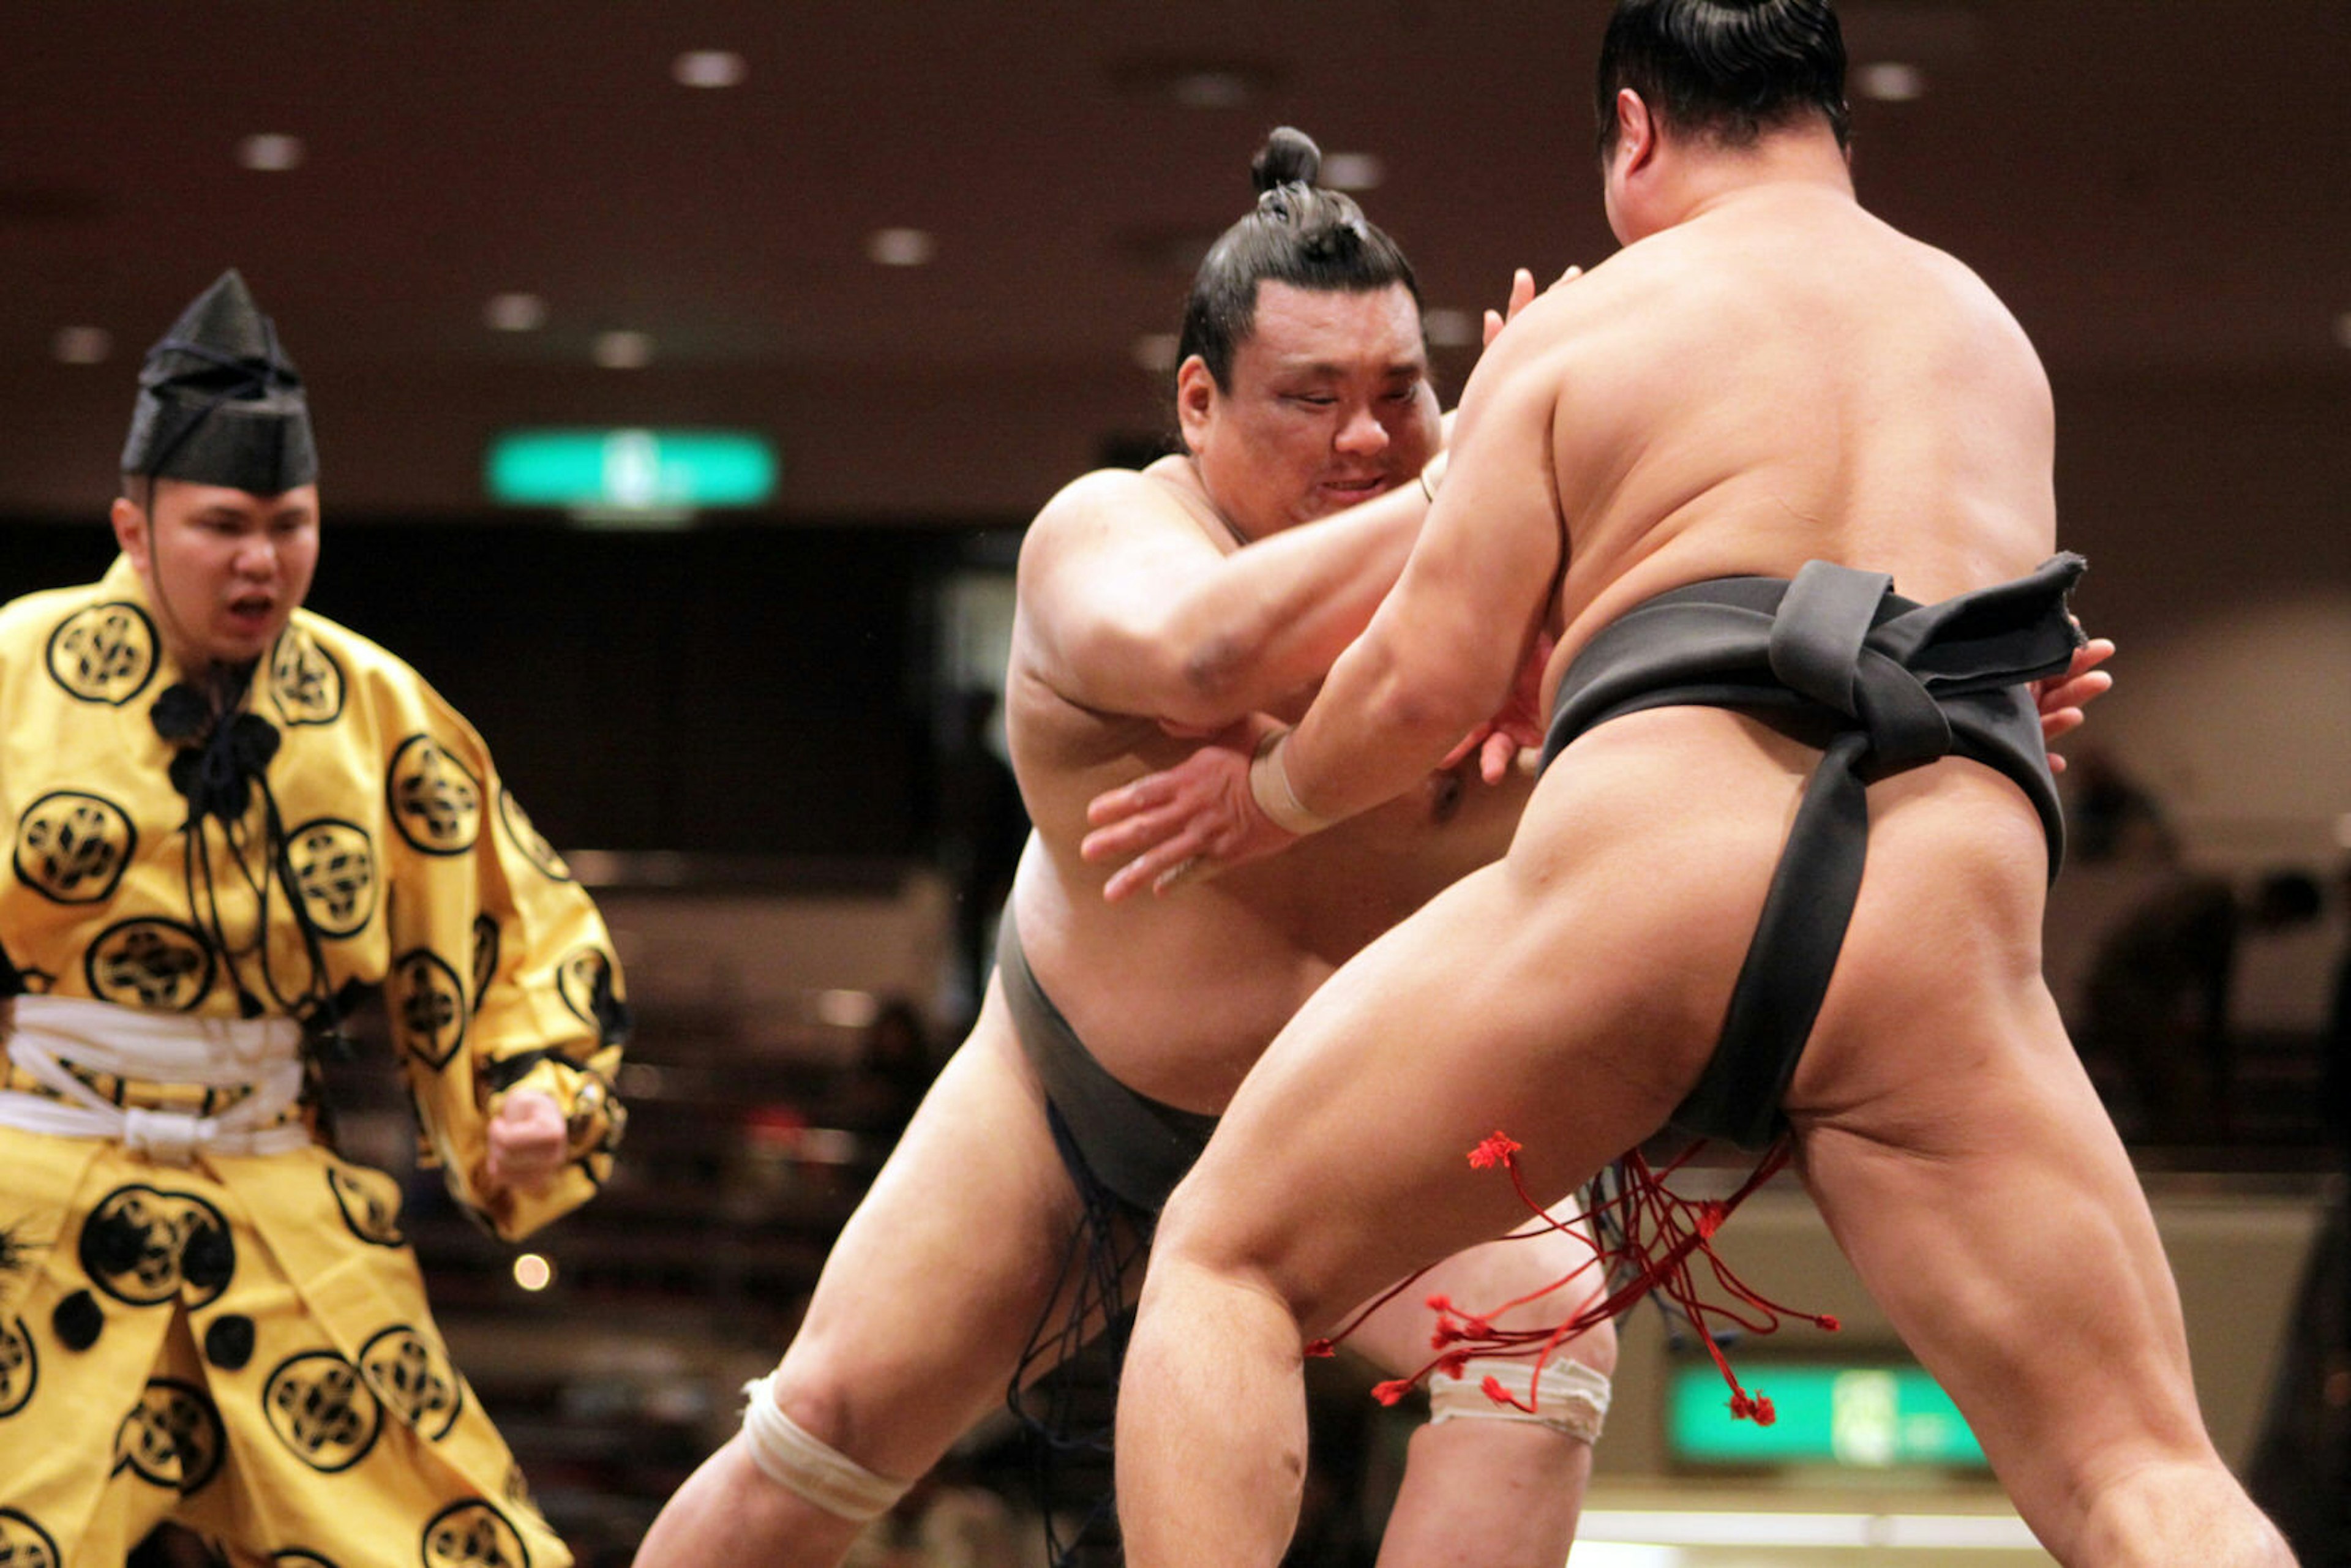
1329 405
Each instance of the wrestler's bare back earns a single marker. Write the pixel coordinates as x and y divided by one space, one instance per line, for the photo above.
1178 997
1779 379
1785 378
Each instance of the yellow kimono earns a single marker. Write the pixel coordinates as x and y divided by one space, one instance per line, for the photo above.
205 1314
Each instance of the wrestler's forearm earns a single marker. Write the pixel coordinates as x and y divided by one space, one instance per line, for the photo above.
1380 726
1276 613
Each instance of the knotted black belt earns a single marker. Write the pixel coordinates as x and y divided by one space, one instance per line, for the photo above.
1881 683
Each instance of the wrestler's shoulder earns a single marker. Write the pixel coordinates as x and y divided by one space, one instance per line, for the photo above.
1588 312
1967 287
1154 489
1112 503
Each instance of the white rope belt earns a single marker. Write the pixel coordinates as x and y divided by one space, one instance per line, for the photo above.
261 1056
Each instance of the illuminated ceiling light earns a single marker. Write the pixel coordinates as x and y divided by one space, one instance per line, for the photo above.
514 313
1449 329
1155 352
901 247
1890 81
2343 832
1210 90
270 152
1196 81
708 68
2343 329
623 350
533 1272
82 345
848 1008
1353 170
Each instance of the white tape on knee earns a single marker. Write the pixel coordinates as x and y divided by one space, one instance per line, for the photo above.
1575 1397
791 1455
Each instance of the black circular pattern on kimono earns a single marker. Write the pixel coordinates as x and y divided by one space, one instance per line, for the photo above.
585 977
142 1245
537 851
78 1321
435 800
71 847
334 865
172 1436
228 1342
20 1368
305 682
371 1204
104 653
24 1544
473 1535
208 1261
429 1015
151 963
415 1379
485 956
322 1410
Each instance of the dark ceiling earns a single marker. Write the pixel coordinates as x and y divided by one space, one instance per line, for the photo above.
2158 189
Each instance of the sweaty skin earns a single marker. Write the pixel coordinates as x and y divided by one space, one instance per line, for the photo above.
1766 374
1138 611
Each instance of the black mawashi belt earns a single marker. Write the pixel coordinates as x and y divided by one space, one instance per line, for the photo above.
1881 683
1136 1147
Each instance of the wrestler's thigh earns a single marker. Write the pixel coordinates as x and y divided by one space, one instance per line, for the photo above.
938 1279
1963 1161
1342 1162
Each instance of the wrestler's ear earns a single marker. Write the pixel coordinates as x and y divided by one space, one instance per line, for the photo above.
1637 132
1195 400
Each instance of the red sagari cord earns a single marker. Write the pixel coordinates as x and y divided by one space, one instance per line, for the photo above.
1658 1234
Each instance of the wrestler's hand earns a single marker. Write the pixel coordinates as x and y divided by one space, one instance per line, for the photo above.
2062 697
1518 725
1523 294
529 1141
1187 823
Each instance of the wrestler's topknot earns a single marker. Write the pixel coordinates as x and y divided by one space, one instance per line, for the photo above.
1300 233
1288 158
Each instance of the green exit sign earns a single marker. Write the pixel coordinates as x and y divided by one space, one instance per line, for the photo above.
625 471
1871 1418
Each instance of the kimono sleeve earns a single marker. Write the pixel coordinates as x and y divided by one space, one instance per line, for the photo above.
503 979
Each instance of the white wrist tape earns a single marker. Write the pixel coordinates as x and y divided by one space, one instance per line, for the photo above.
1269 786
791 1455
1575 1397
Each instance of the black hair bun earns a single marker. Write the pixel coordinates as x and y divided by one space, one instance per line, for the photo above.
1288 158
